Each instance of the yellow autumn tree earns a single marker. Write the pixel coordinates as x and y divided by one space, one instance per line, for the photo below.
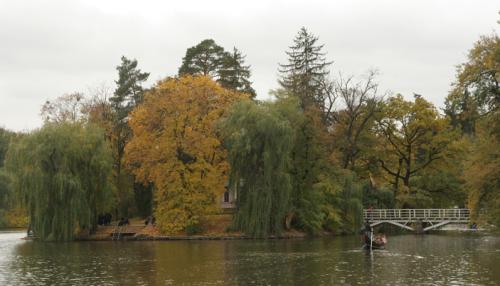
175 146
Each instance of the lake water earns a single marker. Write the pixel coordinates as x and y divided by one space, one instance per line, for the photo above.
408 260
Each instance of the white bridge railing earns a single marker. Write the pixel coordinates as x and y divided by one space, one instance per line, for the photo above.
414 215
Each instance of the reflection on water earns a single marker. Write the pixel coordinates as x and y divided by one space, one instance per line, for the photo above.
408 260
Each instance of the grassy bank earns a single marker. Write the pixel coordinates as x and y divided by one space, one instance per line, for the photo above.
214 227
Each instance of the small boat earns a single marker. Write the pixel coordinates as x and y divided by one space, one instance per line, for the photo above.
379 241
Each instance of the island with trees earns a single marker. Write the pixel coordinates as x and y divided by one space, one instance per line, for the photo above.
306 162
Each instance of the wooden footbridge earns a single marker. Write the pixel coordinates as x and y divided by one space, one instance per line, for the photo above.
406 218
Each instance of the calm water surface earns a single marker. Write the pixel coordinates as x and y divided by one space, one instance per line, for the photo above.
408 260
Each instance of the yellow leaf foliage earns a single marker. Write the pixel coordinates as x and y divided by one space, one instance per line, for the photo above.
16 217
176 147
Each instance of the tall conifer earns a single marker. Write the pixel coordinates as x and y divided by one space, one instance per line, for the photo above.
128 94
234 74
203 59
305 74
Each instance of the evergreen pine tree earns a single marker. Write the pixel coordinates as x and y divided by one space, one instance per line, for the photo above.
129 91
305 73
128 94
305 77
203 59
234 74
209 59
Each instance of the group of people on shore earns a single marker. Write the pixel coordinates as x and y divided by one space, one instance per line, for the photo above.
104 219
123 221
150 220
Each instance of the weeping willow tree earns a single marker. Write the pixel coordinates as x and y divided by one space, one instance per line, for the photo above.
259 140
350 202
61 174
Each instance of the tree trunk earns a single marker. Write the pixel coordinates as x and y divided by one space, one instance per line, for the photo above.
288 220
396 180
406 179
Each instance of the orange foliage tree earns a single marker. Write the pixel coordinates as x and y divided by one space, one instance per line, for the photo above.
176 147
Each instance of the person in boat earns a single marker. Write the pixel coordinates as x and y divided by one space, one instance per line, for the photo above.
368 227
380 239
367 232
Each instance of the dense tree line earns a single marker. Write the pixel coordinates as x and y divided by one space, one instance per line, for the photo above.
310 159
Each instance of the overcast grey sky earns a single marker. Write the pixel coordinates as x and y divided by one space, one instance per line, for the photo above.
48 48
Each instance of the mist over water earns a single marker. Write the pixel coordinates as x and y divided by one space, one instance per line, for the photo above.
408 260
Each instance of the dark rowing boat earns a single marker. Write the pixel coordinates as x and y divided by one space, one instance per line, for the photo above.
379 241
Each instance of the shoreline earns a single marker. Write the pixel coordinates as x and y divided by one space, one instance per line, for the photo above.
197 238
151 234
101 235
